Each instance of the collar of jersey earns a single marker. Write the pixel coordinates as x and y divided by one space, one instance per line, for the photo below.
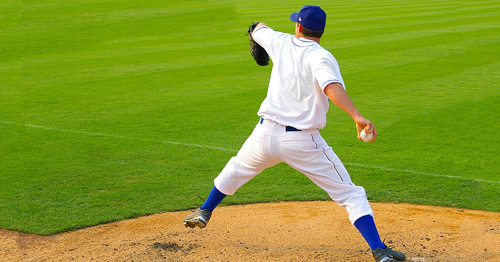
303 42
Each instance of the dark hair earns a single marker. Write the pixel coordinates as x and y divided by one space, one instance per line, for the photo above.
312 33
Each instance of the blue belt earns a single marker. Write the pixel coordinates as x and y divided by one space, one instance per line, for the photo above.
287 128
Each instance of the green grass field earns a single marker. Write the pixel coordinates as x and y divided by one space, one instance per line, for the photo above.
117 109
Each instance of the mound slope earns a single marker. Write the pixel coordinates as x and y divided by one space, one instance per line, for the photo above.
285 231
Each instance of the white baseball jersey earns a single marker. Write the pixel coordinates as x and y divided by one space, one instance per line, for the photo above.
301 71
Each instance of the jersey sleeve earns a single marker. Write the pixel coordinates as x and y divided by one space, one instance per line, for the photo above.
269 39
326 71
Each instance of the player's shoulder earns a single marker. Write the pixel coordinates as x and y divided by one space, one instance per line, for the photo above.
322 50
318 51
319 56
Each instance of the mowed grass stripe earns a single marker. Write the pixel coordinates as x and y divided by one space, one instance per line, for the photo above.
100 72
477 5
349 42
407 5
116 49
410 56
399 15
411 24
398 11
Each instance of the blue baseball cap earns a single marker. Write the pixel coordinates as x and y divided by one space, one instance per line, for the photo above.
310 16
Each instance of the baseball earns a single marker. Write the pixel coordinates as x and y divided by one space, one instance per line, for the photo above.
367 137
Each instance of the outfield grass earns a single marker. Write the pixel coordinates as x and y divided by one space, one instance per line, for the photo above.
116 109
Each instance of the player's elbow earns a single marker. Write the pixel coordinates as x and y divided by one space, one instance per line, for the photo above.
333 88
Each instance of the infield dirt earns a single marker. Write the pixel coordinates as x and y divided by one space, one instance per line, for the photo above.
285 231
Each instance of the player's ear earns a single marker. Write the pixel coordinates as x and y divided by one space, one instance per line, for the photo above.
300 27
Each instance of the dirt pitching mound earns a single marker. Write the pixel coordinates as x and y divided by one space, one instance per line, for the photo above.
286 231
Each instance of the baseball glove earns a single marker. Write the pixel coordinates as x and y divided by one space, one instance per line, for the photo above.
258 53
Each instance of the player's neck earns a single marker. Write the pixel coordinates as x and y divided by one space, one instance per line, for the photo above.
315 39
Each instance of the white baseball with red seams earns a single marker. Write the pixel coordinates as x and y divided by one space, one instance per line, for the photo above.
367 137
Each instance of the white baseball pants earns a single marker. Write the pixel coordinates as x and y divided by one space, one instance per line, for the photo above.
307 152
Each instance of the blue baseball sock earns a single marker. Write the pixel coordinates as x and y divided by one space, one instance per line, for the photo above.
214 198
368 230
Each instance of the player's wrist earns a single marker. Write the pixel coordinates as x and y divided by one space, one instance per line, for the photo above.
357 117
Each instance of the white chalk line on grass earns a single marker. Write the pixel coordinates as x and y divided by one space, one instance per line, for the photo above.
419 173
118 136
233 150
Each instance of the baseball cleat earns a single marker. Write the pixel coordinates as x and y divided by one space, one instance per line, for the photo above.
388 255
199 217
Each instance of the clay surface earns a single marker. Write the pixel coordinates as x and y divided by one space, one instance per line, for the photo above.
285 231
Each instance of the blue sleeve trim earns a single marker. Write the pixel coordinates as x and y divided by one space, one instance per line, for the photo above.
323 86
264 26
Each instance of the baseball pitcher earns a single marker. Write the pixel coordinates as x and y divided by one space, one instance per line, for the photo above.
305 77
